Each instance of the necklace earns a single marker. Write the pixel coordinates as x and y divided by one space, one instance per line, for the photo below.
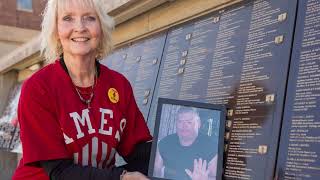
87 101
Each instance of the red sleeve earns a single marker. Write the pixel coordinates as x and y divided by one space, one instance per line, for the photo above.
41 135
136 129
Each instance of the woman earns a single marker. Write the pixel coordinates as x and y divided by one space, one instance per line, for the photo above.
75 113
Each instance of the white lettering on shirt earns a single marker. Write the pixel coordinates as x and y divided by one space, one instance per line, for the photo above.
67 140
123 123
105 121
83 119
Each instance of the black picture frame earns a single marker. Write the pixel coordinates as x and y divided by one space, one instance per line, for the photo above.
164 103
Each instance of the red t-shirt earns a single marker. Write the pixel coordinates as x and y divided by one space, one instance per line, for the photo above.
56 124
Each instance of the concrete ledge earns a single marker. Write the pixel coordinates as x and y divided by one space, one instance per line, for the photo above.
17 56
17 35
115 4
134 8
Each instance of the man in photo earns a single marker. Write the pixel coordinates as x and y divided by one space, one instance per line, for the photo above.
186 154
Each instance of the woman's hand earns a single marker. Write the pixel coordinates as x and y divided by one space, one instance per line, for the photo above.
133 176
200 171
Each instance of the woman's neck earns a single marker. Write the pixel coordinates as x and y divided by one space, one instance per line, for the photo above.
81 69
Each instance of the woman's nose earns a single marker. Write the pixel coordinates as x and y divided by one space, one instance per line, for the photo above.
80 25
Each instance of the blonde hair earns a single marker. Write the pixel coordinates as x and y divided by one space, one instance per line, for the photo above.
51 47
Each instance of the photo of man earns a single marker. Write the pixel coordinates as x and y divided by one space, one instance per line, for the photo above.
187 153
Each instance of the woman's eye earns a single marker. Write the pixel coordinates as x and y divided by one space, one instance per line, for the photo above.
90 18
67 18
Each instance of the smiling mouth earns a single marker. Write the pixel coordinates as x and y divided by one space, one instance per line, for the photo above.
81 39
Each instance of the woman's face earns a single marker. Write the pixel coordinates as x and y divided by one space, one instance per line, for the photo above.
79 29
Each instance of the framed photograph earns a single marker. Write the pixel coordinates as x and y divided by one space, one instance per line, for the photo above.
188 141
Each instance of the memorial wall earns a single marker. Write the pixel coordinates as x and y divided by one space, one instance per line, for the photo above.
260 58
240 56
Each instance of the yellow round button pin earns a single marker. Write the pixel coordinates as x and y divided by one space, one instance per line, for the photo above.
113 95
